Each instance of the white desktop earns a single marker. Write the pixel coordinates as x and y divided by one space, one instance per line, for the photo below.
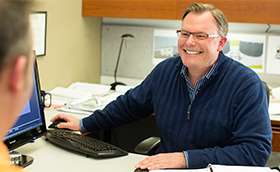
48 157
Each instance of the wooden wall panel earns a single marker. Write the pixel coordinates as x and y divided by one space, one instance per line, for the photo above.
246 11
153 9
249 11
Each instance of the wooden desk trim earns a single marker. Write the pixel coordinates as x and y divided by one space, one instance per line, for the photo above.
275 125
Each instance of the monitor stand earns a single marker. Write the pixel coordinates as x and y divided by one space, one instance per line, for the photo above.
19 159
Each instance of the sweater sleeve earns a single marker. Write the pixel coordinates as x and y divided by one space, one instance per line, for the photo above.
134 104
251 132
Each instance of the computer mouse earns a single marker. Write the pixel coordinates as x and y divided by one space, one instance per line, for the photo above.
55 123
141 170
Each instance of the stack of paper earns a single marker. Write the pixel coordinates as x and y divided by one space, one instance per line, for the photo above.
92 89
62 96
83 98
85 105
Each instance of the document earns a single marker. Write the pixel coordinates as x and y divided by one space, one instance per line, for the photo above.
88 105
62 96
78 92
222 168
228 168
92 89
84 98
184 170
275 94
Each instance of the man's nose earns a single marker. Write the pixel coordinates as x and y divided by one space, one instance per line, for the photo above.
190 40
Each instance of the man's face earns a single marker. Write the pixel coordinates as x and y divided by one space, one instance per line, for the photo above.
196 53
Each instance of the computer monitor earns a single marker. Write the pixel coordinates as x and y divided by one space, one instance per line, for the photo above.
31 122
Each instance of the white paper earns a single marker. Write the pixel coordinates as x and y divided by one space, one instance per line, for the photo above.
38 24
69 93
276 93
75 111
89 88
183 170
222 168
123 88
89 105
84 97
273 55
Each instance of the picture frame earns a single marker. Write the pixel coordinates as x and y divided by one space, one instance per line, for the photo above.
39 29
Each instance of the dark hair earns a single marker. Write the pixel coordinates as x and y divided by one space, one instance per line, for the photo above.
15 32
218 15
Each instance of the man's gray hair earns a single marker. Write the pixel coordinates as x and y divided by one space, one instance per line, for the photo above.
218 15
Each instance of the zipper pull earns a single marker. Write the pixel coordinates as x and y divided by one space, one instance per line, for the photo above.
189 112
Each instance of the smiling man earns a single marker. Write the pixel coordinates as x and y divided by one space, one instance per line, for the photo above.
208 107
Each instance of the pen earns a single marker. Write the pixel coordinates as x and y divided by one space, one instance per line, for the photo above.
210 167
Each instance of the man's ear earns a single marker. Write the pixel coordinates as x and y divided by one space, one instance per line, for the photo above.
222 43
17 74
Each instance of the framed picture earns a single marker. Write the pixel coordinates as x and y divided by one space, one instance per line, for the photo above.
165 44
39 29
247 48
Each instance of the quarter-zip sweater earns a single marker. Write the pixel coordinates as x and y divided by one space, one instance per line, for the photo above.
228 121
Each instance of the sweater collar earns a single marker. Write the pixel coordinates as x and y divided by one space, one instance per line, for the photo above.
218 65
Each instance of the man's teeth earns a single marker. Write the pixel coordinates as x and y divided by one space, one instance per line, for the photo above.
192 52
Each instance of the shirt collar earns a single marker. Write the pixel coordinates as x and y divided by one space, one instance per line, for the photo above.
184 72
213 70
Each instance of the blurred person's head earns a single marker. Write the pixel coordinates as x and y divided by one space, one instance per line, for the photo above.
16 60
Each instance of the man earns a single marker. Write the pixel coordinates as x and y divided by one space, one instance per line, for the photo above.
208 107
15 68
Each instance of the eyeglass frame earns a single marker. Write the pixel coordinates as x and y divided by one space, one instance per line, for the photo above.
207 35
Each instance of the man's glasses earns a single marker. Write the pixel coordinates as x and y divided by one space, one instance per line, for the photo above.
196 35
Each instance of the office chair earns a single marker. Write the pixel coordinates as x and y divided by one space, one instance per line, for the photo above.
267 91
129 135
150 145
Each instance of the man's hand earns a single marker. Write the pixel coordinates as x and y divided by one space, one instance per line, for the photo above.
163 160
71 123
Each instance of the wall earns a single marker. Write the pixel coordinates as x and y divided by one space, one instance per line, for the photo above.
73 44
137 58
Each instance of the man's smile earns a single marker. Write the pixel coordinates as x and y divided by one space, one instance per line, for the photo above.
192 52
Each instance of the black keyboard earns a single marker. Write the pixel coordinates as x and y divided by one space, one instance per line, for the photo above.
83 144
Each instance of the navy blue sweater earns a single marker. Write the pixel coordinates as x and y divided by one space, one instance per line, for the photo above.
228 121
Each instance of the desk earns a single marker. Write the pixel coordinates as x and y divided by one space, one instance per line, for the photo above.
49 158
275 124
274 108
